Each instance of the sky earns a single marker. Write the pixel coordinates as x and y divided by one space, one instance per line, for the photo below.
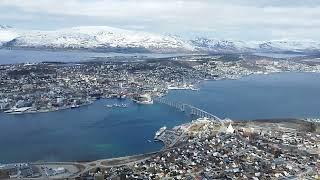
221 19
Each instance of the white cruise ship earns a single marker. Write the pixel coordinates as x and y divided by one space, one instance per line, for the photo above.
159 132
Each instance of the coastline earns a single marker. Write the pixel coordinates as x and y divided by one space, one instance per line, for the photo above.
189 87
89 166
273 120
244 120
48 110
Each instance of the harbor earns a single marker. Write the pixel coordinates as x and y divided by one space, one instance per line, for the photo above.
192 143
103 131
97 129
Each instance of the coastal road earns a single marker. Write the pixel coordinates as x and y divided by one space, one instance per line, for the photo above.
88 166
114 162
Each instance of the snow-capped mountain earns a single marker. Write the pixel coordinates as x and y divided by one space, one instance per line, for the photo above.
100 37
214 45
114 39
290 45
6 34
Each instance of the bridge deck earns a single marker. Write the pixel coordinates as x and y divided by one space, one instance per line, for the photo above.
189 108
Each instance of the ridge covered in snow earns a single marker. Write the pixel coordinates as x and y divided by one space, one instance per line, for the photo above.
115 39
215 45
98 37
6 34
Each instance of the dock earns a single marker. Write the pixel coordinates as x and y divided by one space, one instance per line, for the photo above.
169 138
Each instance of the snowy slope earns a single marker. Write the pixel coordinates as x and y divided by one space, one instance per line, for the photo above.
99 37
111 39
215 45
290 45
6 34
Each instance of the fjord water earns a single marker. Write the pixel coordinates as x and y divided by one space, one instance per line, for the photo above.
280 55
95 132
281 95
86 133
11 56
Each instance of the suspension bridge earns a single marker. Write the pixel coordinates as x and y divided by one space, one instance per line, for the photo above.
187 108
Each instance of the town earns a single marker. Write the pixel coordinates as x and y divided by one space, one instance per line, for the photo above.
205 149
159 90
240 150
52 86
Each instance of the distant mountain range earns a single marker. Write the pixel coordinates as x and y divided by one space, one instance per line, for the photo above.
113 39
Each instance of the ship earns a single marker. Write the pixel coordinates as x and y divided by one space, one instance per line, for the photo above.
159 132
73 106
17 110
117 105
143 99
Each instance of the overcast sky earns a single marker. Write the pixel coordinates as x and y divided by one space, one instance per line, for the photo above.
222 19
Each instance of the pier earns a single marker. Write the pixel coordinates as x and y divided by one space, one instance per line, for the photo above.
169 138
187 108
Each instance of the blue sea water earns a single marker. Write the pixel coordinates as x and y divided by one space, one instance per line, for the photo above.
280 55
11 56
86 133
95 132
281 95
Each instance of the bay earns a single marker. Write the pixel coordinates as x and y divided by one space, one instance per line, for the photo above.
280 95
96 132
13 56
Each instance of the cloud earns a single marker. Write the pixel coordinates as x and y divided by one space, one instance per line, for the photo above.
218 17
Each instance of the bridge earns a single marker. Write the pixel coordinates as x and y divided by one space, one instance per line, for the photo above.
187 108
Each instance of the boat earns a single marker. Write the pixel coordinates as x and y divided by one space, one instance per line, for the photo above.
159 132
117 105
73 106
17 110
194 89
124 105
143 99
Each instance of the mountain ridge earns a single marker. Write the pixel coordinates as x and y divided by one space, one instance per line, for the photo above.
115 39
